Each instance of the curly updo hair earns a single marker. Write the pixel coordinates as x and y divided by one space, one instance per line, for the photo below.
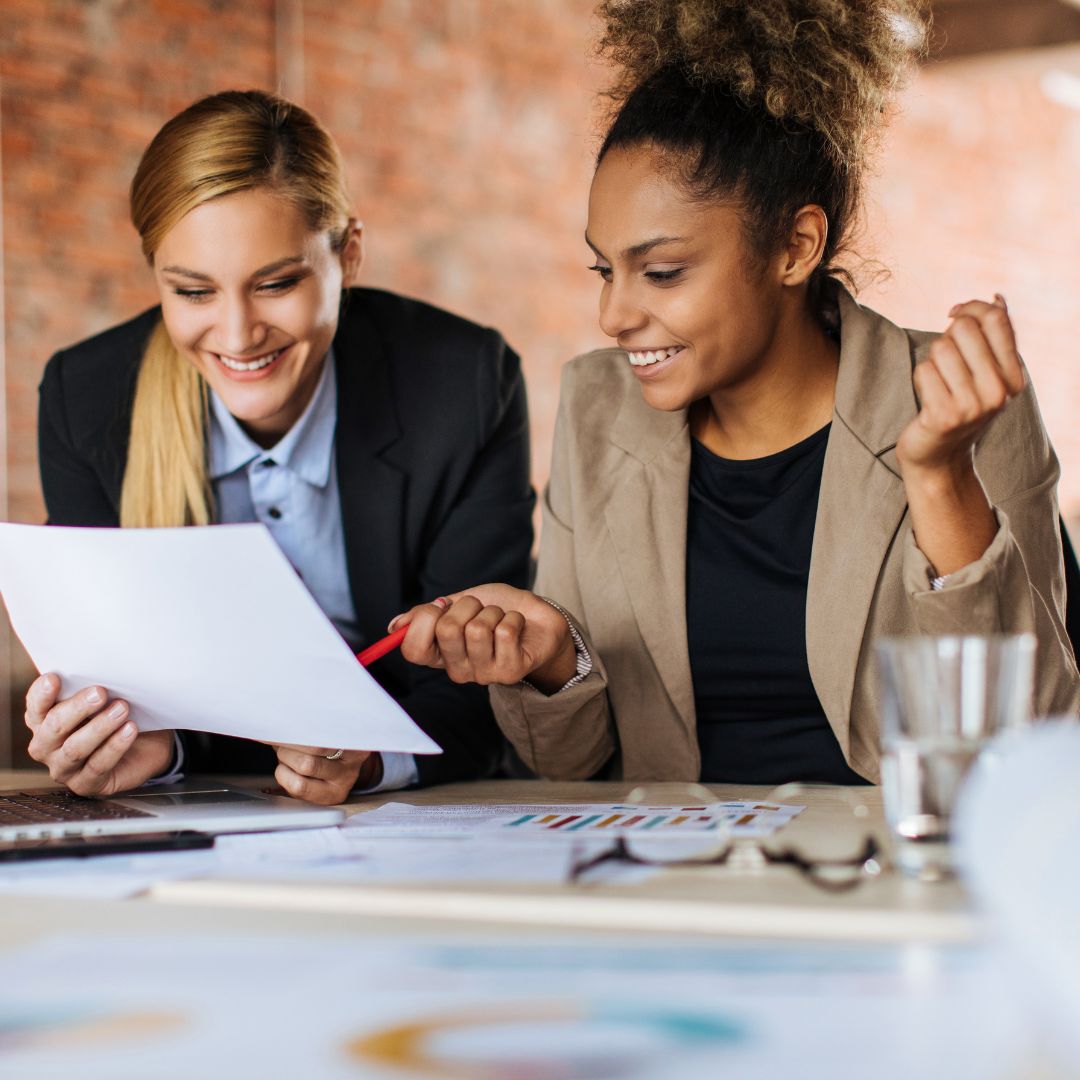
769 104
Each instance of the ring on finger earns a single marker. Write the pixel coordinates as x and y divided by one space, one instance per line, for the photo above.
334 756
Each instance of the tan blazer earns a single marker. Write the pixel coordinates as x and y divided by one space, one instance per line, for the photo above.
613 553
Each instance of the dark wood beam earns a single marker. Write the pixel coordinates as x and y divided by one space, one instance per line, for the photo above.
969 27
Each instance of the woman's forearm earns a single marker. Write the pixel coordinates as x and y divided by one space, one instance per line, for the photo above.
951 516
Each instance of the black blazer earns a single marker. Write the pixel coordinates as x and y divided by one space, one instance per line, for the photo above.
433 468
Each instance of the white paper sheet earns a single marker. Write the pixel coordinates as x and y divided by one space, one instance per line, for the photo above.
358 859
209 629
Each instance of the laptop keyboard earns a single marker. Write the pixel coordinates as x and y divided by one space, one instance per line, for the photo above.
47 807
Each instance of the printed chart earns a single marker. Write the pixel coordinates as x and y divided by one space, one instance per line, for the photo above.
740 818
737 818
548 1040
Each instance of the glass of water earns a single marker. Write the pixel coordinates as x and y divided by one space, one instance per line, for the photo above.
942 699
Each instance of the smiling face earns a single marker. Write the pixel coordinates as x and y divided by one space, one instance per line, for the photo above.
682 294
250 296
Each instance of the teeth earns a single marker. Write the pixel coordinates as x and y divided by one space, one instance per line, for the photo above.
653 356
253 365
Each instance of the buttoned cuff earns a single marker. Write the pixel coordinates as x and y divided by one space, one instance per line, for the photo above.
991 595
583 664
920 575
175 773
398 771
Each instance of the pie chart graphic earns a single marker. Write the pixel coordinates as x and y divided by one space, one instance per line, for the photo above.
546 1041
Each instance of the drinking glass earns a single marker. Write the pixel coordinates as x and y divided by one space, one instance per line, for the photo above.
942 700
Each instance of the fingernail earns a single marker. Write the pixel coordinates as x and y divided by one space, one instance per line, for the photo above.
393 623
1001 300
953 309
116 710
128 730
94 695
441 601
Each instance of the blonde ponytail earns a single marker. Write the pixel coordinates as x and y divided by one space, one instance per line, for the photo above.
166 482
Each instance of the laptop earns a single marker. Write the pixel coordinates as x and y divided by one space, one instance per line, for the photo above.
206 806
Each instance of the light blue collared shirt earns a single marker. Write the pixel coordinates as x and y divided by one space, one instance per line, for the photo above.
292 488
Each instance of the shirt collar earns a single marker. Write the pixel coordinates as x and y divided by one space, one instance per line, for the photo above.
306 448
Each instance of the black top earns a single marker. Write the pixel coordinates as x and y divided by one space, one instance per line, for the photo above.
432 451
749 536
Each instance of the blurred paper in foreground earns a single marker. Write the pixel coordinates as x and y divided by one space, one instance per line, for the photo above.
1018 834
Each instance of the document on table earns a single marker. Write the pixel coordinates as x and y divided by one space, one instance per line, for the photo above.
354 858
209 629
333 855
738 818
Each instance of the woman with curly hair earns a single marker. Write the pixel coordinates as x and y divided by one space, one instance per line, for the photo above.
764 477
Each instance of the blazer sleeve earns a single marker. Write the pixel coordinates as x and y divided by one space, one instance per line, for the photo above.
71 483
1018 584
569 735
485 535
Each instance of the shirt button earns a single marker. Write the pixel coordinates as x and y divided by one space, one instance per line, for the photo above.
274 512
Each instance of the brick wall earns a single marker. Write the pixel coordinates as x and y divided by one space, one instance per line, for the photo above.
85 86
467 131
976 193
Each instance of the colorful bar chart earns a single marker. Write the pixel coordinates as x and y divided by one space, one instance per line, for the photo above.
737 818
655 819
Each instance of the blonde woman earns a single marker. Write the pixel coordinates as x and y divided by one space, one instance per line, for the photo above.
764 477
383 442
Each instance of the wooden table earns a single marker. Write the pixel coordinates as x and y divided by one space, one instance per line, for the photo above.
770 902
741 914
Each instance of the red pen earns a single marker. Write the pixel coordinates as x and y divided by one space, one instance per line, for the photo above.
382 647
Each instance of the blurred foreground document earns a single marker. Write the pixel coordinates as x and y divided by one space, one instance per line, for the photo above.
440 1006
209 629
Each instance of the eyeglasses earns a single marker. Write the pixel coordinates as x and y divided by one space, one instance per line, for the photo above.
832 873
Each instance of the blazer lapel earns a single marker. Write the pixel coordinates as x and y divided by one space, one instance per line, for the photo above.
646 518
372 488
861 505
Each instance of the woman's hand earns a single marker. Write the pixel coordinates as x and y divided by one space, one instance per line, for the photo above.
316 775
491 634
970 374
88 743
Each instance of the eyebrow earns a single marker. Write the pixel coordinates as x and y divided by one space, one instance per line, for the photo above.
637 250
263 271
